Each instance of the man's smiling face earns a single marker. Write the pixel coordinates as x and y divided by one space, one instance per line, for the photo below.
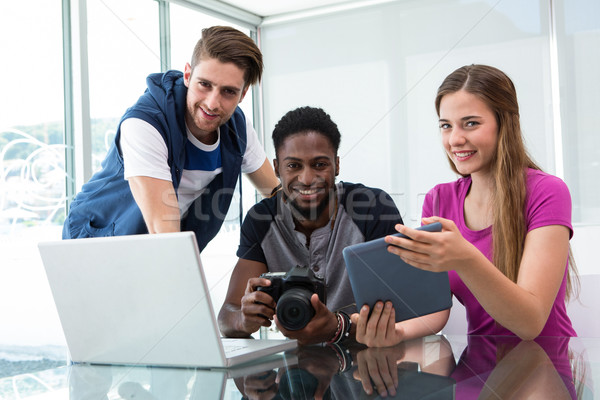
214 91
307 165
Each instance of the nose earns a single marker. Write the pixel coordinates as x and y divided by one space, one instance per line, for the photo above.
457 137
306 176
213 100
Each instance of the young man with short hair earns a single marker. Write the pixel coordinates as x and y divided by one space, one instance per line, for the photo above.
179 150
307 223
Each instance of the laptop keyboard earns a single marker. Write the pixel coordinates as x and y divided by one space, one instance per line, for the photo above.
233 345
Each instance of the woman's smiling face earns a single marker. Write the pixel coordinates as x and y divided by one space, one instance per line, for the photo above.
469 132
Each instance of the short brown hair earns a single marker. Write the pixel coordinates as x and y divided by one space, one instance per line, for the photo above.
228 45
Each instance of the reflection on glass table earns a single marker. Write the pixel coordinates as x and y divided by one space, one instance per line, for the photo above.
435 367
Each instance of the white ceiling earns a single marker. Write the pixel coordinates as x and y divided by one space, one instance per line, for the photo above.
269 8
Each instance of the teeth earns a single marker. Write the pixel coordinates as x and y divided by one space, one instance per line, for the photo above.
466 154
307 192
206 112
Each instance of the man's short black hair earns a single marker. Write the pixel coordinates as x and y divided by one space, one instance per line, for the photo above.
305 119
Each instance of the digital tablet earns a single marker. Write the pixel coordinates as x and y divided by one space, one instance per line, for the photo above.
376 274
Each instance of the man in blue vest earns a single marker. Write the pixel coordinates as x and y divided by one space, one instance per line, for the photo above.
179 150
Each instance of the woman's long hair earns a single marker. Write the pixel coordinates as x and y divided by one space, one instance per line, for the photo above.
509 165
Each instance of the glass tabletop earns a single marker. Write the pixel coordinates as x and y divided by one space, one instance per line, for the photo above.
434 367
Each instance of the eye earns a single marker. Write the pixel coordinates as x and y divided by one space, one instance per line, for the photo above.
230 92
472 123
321 164
204 84
293 165
444 125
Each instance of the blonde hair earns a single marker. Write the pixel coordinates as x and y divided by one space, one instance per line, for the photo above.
509 165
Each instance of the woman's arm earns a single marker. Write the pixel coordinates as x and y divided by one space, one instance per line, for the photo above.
522 307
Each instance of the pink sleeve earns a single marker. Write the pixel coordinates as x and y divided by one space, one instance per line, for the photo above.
548 202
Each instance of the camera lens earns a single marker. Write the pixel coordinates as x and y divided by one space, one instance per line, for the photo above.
294 310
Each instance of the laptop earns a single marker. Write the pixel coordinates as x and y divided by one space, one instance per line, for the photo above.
376 274
141 300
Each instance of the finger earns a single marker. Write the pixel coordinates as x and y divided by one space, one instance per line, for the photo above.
361 324
410 257
374 319
364 377
430 220
385 374
250 306
403 244
447 224
264 299
391 324
316 303
254 283
354 318
375 375
382 325
393 368
416 237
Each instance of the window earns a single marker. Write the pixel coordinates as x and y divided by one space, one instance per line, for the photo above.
32 177
578 41
123 49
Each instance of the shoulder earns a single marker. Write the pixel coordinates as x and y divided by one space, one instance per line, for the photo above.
358 199
548 200
543 187
238 118
540 180
263 212
372 210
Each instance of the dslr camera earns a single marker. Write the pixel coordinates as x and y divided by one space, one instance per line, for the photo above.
292 291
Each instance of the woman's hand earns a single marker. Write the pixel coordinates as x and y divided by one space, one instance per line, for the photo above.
378 368
379 329
433 251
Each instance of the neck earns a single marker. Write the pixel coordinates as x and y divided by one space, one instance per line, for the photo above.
207 138
482 185
478 203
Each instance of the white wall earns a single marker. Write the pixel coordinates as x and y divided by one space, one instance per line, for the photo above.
376 71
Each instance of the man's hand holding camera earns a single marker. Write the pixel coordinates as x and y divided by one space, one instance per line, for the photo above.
257 306
321 327
297 299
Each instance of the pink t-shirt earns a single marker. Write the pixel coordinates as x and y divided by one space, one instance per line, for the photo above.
548 203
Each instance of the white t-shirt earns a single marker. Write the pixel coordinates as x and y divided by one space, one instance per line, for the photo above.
145 154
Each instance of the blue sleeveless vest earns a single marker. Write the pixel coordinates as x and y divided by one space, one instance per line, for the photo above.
105 205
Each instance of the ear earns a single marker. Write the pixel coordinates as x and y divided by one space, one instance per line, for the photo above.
187 74
276 167
337 166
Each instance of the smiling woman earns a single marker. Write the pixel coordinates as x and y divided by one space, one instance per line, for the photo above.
506 225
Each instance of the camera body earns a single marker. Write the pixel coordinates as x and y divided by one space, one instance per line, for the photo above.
292 291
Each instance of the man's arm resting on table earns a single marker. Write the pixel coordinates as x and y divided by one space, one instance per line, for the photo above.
240 314
158 203
264 179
